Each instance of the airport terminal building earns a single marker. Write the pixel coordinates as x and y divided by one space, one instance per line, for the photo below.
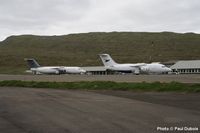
186 67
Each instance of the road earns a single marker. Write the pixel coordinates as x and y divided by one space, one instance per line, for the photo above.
195 78
29 110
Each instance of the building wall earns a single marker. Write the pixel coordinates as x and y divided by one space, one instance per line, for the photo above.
186 67
100 73
187 71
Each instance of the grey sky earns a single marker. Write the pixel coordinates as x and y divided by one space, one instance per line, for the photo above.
57 17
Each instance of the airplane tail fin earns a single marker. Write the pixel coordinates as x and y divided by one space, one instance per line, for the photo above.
32 63
107 60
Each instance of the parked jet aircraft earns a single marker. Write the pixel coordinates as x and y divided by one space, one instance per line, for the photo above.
35 68
137 68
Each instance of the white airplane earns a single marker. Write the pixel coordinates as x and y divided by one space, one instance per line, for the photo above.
35 68
137 68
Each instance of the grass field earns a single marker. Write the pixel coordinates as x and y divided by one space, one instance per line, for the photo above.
101 85
83 49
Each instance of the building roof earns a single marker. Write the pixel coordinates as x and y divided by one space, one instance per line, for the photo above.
186 64
94 68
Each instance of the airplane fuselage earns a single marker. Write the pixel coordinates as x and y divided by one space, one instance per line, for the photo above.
126 68
57 70
35 68
146 68
155 68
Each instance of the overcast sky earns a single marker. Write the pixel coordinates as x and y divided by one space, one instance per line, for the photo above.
58 17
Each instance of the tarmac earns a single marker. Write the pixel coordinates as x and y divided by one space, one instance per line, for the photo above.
187 78
29 110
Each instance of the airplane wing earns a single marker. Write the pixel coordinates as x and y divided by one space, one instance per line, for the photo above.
138 65
61 70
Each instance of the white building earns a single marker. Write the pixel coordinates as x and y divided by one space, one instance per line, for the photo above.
187 67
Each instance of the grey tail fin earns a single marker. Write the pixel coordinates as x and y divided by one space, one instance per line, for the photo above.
32 63
107 60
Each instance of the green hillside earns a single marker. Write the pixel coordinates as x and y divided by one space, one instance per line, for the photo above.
83 49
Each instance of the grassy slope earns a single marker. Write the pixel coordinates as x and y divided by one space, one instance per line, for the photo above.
82 49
